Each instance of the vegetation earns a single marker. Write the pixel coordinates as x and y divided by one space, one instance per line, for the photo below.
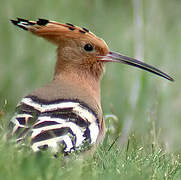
142 111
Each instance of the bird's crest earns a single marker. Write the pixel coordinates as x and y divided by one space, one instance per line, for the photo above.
53 31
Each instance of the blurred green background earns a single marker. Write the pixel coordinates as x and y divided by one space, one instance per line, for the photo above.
149 29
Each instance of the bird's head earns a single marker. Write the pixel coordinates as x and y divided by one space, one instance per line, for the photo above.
80 49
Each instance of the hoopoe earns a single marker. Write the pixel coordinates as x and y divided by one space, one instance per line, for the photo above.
67 111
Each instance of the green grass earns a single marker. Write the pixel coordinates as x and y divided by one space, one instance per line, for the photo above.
147 107
135 161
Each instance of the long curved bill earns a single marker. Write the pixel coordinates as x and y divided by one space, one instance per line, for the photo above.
116 57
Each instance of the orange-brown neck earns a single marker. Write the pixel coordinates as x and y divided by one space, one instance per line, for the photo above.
81 82
82 79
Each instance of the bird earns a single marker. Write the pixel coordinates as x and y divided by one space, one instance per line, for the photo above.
65 115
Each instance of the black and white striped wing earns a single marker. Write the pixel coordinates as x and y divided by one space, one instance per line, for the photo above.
62 123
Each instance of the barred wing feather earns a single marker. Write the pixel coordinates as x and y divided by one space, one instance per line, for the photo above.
62 123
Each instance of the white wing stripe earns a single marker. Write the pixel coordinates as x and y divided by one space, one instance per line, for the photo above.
94 131
75 129
48 118
77 108
50 107
53 143
84 114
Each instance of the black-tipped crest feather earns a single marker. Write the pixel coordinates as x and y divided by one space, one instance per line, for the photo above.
42 22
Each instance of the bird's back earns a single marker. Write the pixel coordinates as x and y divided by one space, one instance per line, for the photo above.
57 123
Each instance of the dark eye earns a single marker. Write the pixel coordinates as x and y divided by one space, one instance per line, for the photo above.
88 47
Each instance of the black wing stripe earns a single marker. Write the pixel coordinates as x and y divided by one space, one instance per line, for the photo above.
21 131
27 108
50 134
44 124
69 116
87 135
